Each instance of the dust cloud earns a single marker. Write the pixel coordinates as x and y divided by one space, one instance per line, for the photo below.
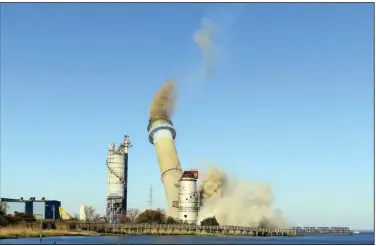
237 202
163 103
231 201
204 38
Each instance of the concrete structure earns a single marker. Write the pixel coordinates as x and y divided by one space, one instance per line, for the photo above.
117 166
188 198
162 135
41 209
83 215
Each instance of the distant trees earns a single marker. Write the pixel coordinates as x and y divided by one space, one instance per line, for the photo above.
75 217
171 221
124 219
16 218
91 214
3 208
211 221
132 214
89 211
3 218
150 217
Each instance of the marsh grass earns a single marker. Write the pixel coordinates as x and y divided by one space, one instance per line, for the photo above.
27 230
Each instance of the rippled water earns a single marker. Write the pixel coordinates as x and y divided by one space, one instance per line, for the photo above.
363 238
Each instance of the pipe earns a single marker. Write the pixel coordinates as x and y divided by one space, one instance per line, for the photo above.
162 135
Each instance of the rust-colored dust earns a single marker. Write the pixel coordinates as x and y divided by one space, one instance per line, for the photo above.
163 103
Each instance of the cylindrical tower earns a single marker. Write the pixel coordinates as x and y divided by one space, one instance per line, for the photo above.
117 167
188 197
162 135
83 215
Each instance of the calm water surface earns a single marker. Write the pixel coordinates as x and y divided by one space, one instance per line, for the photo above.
362 238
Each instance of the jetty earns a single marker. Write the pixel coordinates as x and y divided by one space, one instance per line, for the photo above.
182 229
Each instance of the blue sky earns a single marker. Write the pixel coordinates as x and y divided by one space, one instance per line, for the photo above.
290 101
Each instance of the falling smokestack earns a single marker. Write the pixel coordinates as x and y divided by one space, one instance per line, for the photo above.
162 135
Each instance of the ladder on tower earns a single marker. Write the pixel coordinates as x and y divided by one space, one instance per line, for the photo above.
114 173
122 148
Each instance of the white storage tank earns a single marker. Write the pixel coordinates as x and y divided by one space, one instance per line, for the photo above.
188 197
83 215
117 173
116 168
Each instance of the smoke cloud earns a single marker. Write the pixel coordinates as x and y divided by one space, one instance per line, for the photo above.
232 202
204 38
239 202
163 103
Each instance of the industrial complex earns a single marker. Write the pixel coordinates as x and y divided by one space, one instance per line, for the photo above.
180 187
183 197
41 209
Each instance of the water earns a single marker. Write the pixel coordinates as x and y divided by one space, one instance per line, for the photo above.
362 238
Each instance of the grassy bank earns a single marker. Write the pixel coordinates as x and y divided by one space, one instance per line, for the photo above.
23 232
72 228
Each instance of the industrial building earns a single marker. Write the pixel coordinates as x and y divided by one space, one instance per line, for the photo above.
117 167
41 209
189 197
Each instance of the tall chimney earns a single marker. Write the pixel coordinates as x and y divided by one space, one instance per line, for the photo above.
162 135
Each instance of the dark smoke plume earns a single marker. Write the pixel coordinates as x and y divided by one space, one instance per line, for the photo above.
163 103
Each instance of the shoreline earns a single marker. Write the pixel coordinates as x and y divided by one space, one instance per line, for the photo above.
57 233
15 233
102 229
36 236
110 234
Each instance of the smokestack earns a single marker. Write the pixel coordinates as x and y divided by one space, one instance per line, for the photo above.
162 135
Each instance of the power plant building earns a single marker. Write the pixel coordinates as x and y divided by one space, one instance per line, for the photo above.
41 209
46 209
117 169
12 206
188 197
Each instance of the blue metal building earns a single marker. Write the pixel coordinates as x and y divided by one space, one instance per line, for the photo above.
41 209
46 209
17 205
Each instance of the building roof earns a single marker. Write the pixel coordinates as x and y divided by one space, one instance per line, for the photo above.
3 199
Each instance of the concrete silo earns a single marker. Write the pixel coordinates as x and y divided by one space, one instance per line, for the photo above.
117 169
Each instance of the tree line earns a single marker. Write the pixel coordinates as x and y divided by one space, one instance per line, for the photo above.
158 216
132 216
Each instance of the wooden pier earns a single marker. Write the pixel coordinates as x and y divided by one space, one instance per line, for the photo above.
182 229
147 229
